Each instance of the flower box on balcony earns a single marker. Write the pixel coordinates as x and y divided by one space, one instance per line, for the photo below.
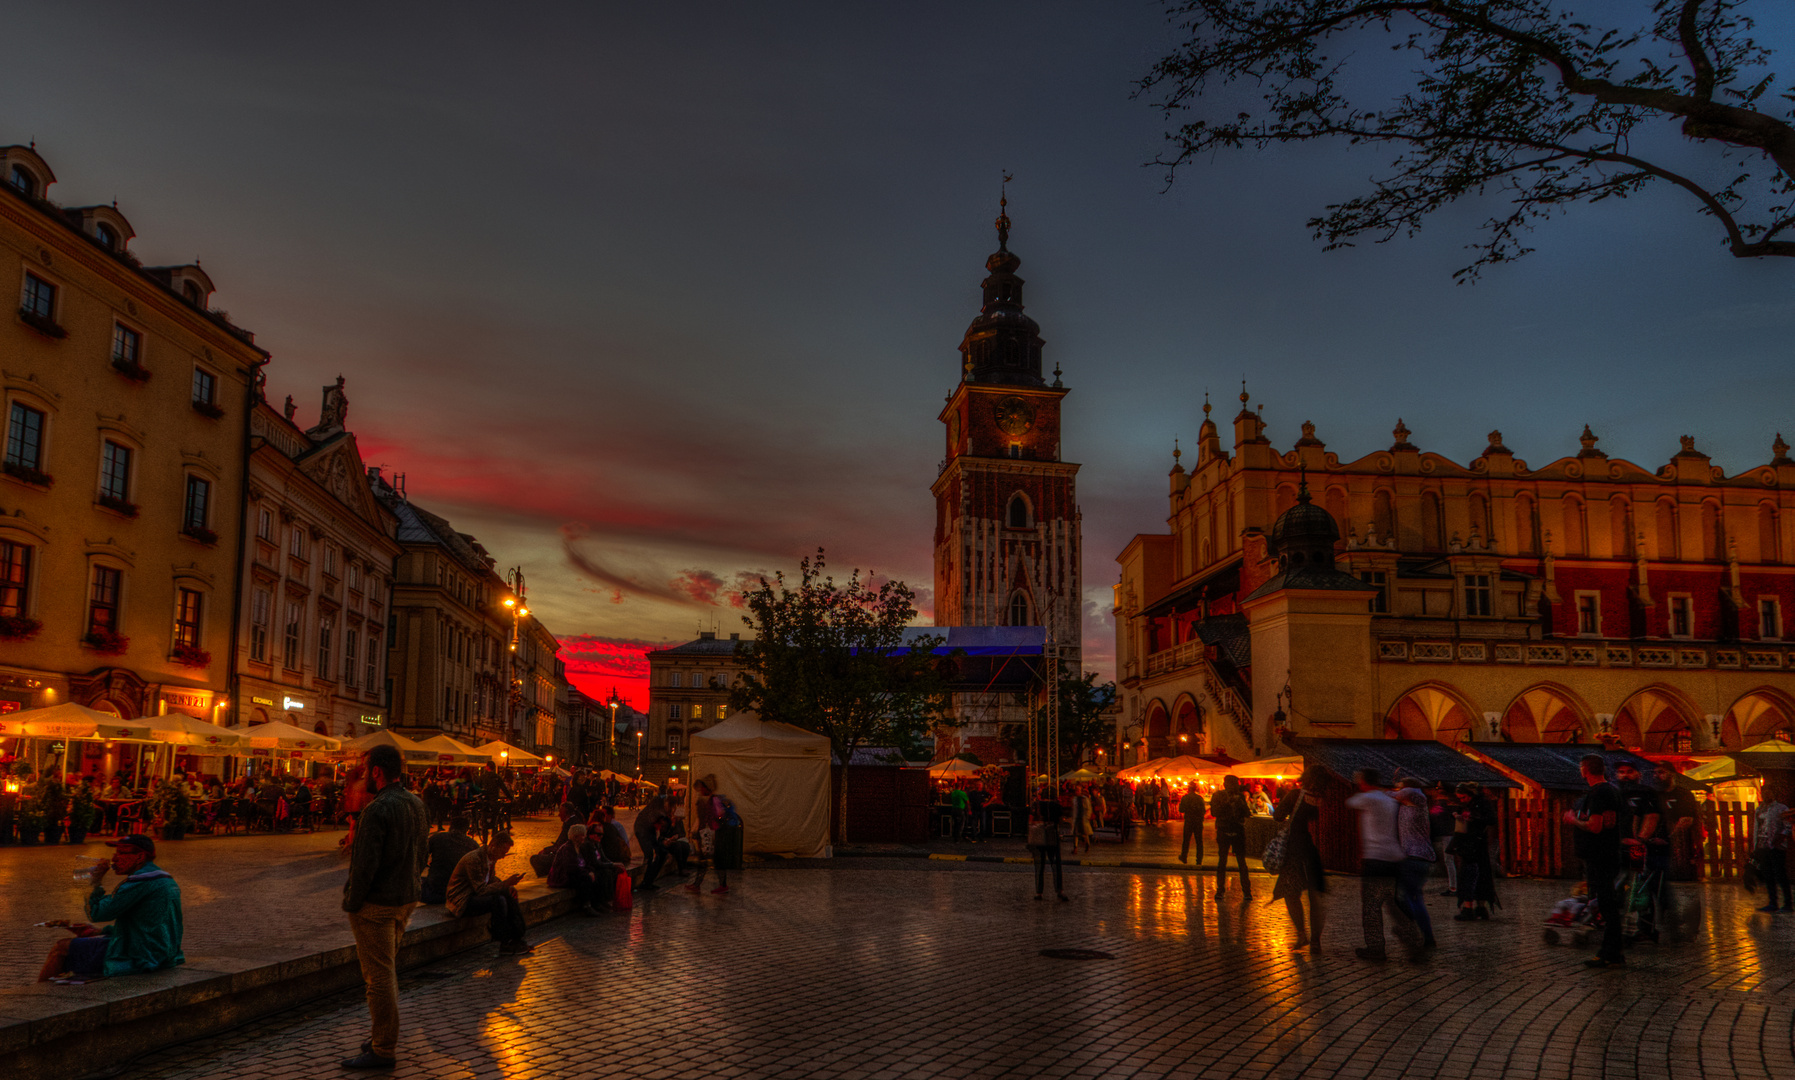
200 533
191 656
26 473
18 628
132 370
106 643
46 327
206 408
117 505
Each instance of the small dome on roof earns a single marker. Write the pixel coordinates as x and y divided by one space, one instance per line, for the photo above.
1304 535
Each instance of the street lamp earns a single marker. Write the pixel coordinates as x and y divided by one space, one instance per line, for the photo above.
639 735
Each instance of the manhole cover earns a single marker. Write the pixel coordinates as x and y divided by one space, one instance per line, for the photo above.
1076 954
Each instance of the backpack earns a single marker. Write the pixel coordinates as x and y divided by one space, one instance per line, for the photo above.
731 819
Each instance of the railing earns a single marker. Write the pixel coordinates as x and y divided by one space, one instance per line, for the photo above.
1196 654
1575 652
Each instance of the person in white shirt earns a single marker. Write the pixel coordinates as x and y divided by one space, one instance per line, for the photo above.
1380 862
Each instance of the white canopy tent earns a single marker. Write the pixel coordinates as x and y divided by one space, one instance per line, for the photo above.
777 776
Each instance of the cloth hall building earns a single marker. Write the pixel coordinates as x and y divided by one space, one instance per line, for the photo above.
1406 595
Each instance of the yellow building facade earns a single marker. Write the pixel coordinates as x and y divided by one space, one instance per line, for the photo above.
125 405
1583 598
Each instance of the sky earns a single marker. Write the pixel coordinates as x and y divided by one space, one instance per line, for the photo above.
655 299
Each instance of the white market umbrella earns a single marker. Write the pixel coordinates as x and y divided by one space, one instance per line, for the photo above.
953 767
278 735
515 756
179 729
409 750
72 721
450 752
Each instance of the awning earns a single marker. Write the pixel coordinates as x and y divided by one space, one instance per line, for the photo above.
450 752
180 729
410 751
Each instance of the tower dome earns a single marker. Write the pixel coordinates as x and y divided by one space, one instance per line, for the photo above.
1304 535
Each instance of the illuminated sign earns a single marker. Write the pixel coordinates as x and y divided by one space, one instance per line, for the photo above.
366 719
290 703
262 701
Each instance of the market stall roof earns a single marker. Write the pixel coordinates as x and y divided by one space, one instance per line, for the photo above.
1081 775
1553 766
1770 754
183 730
515 756
1267 767
1432 761
72 721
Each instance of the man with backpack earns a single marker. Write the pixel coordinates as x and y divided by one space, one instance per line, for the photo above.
1231 813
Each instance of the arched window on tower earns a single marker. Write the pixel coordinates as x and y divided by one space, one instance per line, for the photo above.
1713 535
1767 545
1667 529
1019 516
1019 614
1620 527
1432 529
1383 516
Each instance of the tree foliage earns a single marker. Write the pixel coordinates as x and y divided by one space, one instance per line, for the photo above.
1083 722
831 658
1516 98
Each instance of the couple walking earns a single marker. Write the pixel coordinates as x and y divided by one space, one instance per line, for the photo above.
1396 855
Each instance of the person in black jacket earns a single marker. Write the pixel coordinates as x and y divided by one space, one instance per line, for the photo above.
1230 812
1194 811
386 862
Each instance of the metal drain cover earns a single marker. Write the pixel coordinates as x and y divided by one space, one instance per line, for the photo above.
1076 954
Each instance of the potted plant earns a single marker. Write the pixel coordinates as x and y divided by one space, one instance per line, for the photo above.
53 804
106 642
192 656
18 628
175 808
31 824
83 812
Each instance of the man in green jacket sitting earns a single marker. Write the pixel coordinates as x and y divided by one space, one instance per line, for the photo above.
145 913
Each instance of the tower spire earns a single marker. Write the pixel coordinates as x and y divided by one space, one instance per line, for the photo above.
1003 212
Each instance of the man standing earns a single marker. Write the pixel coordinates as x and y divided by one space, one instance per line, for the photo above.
1597 821
1193 809
1770 844
1380 864
385 864
1231 815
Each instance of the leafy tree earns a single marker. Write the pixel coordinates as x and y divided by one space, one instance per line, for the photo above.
1519 98
831 658
1083 723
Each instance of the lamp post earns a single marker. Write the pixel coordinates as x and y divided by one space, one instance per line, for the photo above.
611 735
639 735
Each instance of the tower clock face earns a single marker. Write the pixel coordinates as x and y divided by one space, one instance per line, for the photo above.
1014 416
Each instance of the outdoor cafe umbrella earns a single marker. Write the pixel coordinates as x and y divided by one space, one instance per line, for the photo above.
1276 768
1184 767
277 735
1081 775
72 721
450 752
196 735
408 749
953 767
513 755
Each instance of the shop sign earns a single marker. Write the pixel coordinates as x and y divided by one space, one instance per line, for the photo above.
262 701
291 703
374 719
187 701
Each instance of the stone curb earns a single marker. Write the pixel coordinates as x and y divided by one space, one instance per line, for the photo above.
1126 864
52 1032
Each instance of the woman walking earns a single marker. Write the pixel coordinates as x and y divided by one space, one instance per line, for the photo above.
713 842
1473 820
1301 872
1044 819
1081 820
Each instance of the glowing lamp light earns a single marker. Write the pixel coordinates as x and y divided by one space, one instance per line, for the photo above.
1184 738
12 787
504 753
510 602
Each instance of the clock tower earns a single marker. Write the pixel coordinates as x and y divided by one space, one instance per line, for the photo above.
1007 545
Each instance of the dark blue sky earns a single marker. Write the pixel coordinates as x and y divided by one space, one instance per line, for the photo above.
692 277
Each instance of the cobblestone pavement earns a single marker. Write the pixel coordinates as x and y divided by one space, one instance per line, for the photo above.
237 892
1146 844
899 968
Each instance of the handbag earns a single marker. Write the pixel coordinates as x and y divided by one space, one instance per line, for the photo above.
543 860
1043 834
620 897
1273 859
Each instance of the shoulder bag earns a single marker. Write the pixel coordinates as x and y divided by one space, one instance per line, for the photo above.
1273 859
